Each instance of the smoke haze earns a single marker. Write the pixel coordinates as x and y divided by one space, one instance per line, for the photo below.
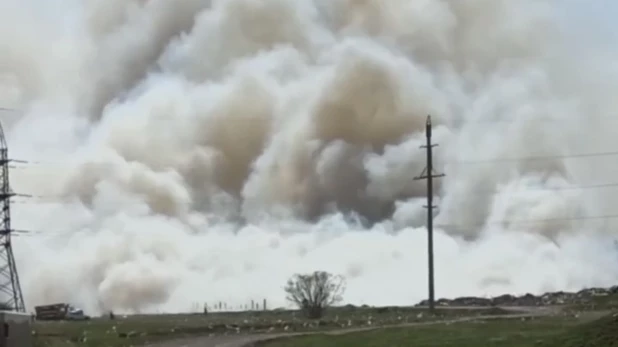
199 151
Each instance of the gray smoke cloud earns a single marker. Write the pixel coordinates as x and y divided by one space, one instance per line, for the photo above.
195 151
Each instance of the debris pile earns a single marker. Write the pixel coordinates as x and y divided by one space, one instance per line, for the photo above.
584 296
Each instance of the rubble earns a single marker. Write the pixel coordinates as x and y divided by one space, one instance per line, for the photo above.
556 298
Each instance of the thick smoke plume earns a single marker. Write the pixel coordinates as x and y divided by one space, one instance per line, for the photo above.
199 151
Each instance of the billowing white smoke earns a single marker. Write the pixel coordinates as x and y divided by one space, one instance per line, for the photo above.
195 151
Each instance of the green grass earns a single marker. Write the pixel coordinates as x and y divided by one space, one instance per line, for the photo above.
598 333
564 330
137 330
545 332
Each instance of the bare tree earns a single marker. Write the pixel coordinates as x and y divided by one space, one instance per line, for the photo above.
315 292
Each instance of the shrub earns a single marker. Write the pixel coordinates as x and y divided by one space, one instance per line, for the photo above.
314 293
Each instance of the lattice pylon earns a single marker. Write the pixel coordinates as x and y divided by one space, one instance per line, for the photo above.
11 297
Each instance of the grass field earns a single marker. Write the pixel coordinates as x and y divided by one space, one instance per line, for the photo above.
602 332
561 331
136 330
573 325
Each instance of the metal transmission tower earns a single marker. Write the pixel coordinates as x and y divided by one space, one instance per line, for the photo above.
428 174
11 297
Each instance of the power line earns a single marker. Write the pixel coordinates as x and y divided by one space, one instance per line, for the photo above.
512 193
542 189
508 121
469 226
461 123
476 192
529 221
465 162
538 158
58 199
30 162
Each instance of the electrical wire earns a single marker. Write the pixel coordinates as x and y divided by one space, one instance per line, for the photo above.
538 158
515 192
472 226
465 162
492 161
528 221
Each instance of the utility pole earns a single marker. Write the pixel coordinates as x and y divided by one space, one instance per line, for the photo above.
428 174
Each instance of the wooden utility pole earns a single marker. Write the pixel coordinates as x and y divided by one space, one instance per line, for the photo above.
428 174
